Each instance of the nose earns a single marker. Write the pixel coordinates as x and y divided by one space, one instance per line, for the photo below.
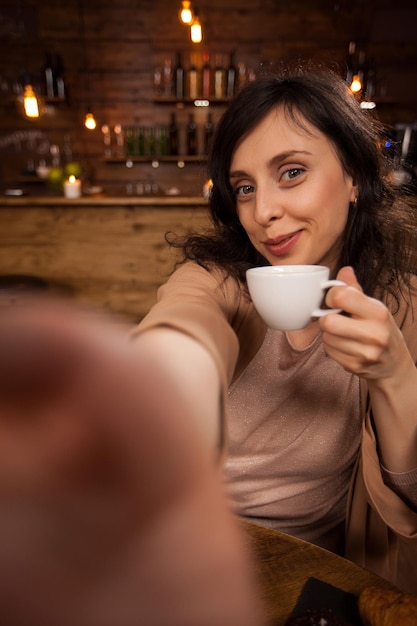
268 205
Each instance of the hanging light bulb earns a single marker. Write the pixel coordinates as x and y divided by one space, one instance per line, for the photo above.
196 30
89 121
356 84
186 12
30 102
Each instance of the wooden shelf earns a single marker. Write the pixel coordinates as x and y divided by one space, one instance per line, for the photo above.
160 158
191 101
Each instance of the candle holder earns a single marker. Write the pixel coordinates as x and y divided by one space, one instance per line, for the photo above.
72 187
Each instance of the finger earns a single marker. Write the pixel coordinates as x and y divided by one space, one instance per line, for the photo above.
341 297
357 334
360 345
349 300
354 302
347 274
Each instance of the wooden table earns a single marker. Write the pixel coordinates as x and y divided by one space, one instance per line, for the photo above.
284 564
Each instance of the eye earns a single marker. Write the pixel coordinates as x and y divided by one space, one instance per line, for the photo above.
292 173
244 190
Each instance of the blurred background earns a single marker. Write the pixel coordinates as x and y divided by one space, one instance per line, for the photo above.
121 62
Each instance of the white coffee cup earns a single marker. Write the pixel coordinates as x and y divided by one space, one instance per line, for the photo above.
288 297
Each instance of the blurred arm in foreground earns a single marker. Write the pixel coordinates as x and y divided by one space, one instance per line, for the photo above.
110 509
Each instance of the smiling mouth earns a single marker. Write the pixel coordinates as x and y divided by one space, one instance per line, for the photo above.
282 245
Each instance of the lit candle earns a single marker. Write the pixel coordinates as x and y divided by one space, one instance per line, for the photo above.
207 187
72 187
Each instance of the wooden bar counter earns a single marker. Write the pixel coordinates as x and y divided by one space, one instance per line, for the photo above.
106 251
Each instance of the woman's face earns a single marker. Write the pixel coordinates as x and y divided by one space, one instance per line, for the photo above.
292 194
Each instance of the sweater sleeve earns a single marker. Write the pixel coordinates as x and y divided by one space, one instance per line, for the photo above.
202 305
404 484
384 494
392 496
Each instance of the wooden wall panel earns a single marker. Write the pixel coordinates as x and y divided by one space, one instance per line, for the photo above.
112 258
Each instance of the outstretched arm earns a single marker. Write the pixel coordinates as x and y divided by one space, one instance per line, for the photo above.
193 371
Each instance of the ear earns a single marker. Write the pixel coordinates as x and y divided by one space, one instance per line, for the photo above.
354 192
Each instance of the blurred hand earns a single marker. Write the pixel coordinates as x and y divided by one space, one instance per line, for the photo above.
111 511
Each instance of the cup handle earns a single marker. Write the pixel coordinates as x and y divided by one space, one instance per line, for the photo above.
326 285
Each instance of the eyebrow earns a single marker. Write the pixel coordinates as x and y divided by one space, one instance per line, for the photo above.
274 161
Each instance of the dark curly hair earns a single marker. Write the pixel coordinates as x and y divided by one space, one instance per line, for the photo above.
377 235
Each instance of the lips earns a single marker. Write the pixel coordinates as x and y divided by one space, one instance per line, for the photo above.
282 245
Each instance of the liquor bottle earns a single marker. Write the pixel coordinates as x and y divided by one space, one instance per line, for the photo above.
150 144
191 135
208 133
231 77
130 141
179 78
120 139
369 90
173 136
351 62
167 78
241 76
48 76
105 129
362 62
219 79
162 141
206 77
59 83
158 81
192 80
141 141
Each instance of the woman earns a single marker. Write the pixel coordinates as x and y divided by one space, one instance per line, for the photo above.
319 428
